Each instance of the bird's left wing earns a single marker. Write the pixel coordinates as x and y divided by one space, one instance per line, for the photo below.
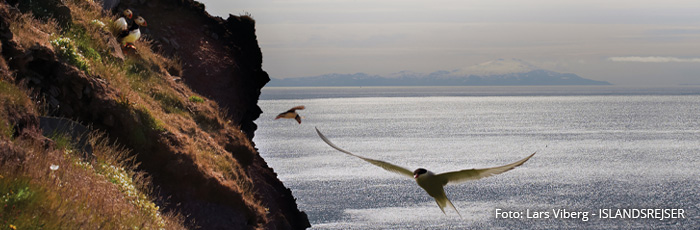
385 165
475 174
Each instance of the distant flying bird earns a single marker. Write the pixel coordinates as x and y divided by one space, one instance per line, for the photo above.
431 182
130 36
291 113
123 22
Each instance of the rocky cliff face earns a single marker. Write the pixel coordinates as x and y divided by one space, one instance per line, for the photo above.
203 164
221 58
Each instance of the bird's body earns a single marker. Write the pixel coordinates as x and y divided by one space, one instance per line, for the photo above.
133 33
291 114
131 37
433 183
123 22
435 188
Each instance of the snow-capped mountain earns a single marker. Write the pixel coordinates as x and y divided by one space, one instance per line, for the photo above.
496 72
496 67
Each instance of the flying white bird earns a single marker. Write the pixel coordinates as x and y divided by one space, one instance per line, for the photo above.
431 182
291 113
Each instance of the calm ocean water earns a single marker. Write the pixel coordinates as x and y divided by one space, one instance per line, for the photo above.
599 150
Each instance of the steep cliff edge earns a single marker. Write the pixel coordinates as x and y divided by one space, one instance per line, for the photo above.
199 157
221 58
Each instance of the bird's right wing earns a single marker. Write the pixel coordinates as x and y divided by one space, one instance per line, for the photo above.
301 107
385 165
475 174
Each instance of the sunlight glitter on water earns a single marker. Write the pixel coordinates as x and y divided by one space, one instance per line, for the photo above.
593 152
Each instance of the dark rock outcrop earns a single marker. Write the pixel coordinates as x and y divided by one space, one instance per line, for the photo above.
110 4
78 133
45 9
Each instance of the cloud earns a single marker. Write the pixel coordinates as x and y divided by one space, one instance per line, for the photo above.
652 59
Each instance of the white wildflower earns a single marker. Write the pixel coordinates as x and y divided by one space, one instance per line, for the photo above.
98 23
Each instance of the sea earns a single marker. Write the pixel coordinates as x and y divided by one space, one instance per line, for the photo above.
607 157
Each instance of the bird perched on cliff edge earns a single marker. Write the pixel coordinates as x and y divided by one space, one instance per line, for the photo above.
130 36
291 113
433 183
123 22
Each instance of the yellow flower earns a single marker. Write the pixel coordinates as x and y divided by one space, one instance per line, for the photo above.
13 227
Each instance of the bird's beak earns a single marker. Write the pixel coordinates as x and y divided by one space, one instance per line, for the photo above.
415 175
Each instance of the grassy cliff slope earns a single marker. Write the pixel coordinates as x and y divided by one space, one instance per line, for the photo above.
162 155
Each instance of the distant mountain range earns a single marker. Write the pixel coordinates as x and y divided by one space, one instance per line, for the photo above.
498 72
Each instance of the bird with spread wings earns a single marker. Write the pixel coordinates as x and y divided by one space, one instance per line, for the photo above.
433 183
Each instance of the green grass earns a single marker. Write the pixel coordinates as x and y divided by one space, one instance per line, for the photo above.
6 129
197 99
137 69
11 97
123 179
18 199
103 193
66 48
148 120
170 102
62 140
138 135
84 42
206 121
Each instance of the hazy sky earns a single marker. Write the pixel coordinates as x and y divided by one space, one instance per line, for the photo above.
623 42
